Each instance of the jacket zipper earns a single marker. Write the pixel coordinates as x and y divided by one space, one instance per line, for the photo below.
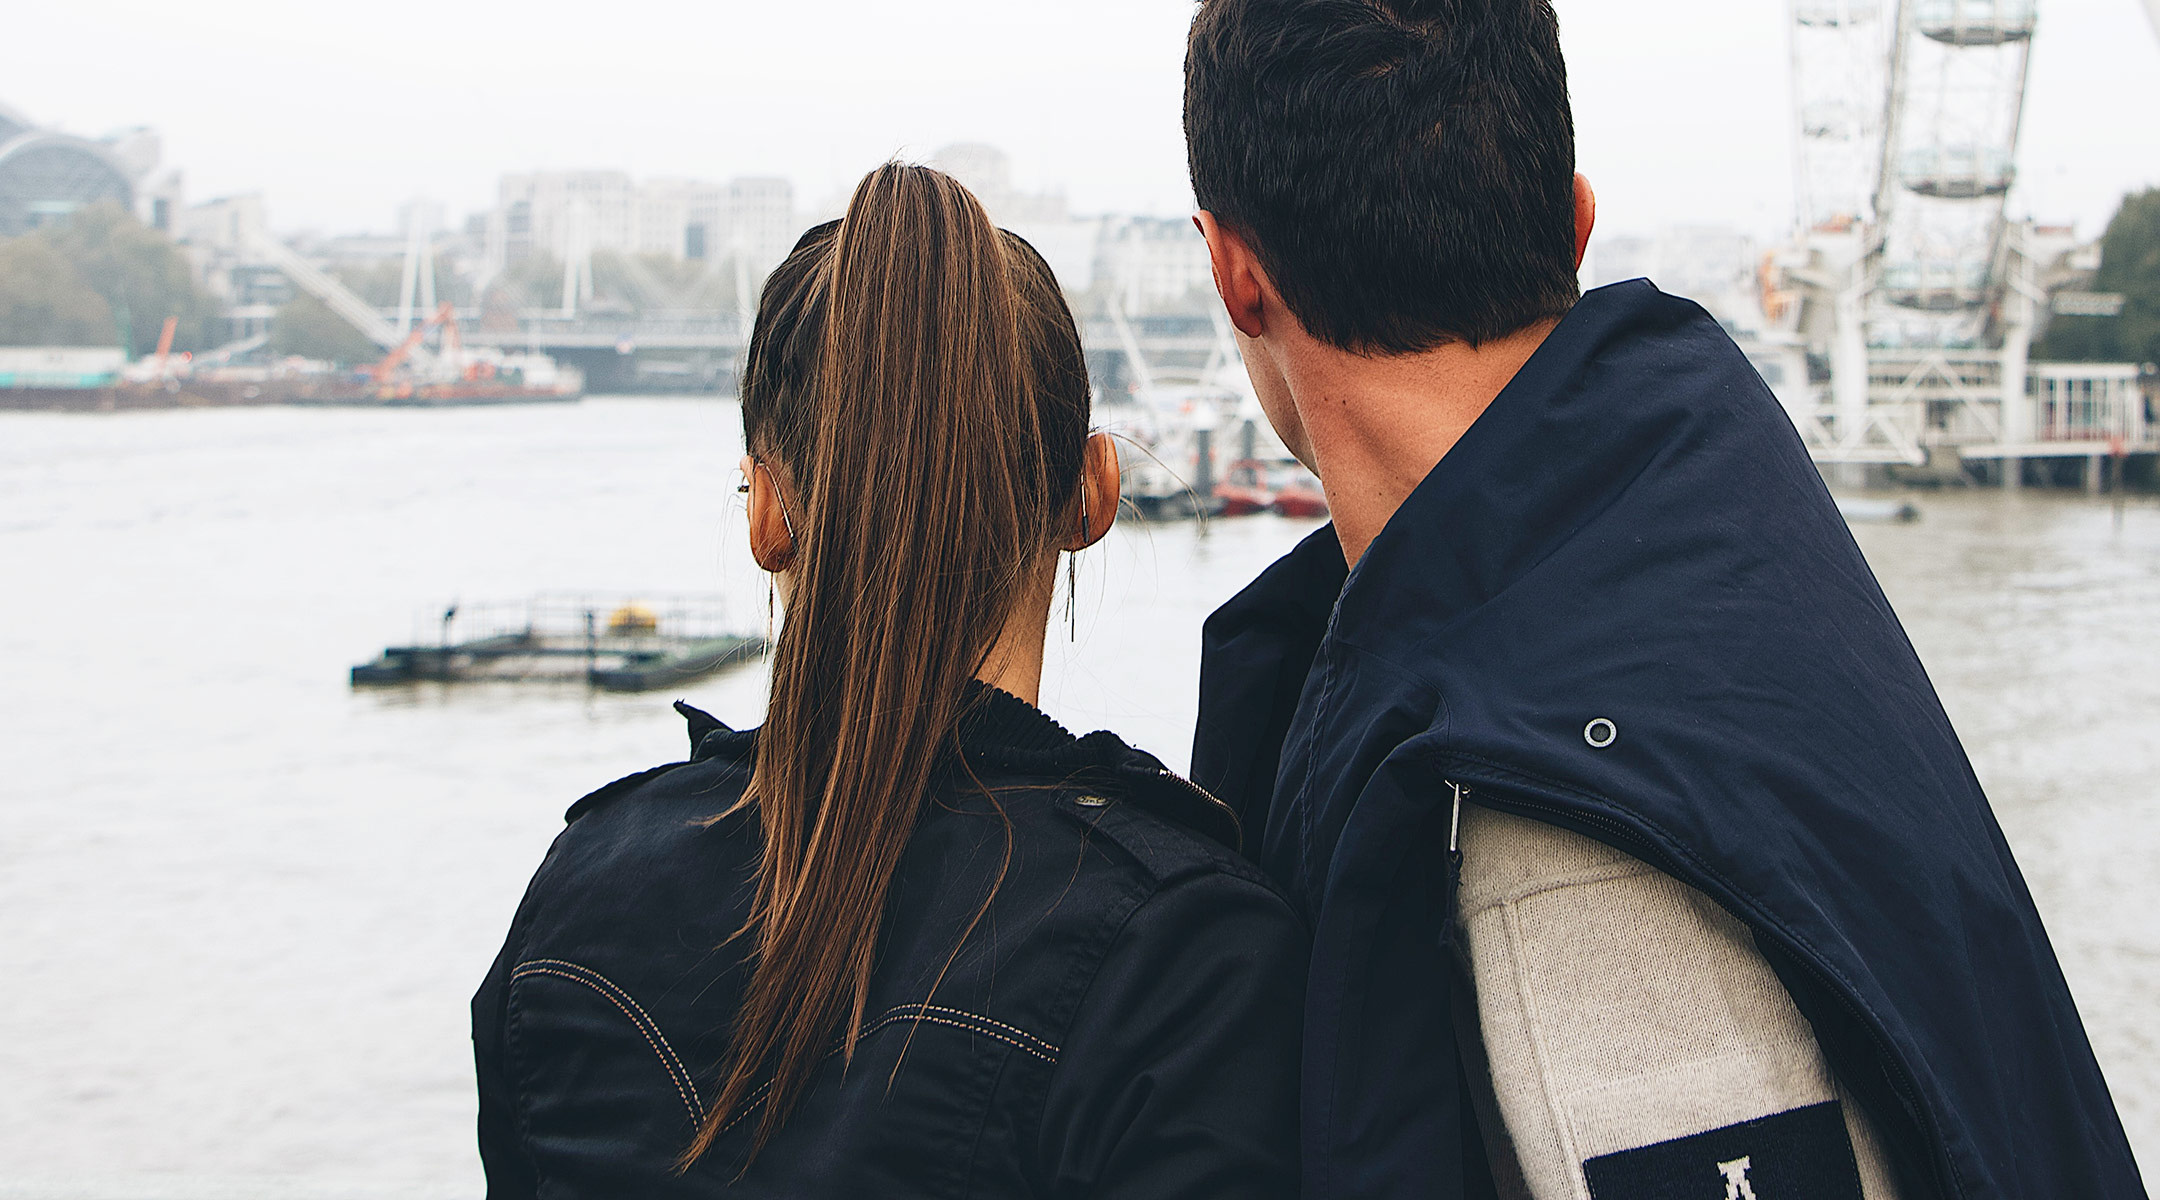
1454 828
1511 799
1195 789
1454 865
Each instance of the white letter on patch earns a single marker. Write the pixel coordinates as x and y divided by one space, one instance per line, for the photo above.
1737 1186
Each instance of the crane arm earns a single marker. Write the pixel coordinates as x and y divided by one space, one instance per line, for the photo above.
396 358
164 344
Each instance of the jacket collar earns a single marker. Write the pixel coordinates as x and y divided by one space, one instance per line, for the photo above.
1490 510
996 724
999 730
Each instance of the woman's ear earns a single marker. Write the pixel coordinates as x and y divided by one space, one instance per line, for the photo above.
772 536
1096 508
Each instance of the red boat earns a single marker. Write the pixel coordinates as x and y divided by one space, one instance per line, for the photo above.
1242 499
1246 490
1301 498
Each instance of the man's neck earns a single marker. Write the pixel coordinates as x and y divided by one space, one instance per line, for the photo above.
1378 426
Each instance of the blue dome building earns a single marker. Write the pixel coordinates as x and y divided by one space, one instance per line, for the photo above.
45 175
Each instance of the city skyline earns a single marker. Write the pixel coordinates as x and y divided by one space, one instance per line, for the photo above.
462 98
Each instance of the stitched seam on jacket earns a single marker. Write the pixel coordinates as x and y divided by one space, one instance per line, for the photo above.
979 1025
685 1088
624 995
1326 1166
516 1074
972 1022
1091 949
974 1164
1019 1033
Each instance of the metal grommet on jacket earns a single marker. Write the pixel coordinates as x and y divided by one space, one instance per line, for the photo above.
1601 733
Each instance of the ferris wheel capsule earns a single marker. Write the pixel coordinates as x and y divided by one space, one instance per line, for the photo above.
1957 172
1935 285
1835 14
1976 22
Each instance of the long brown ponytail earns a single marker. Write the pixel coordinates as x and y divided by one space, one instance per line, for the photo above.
918 377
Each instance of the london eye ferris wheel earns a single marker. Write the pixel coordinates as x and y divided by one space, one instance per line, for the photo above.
1909 120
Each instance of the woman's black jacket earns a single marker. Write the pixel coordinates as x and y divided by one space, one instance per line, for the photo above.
1123 1020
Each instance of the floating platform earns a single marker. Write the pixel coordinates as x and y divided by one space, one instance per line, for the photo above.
616 645
1864 510
244 392
429 395
130 396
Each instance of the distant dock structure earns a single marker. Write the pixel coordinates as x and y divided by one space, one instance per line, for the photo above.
618 644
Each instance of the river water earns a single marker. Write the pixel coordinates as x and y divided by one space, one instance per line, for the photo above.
242 906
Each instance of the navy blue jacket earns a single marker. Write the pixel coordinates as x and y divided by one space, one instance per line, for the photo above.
1633 534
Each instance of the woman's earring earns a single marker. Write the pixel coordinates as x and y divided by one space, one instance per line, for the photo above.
768 611
1072 575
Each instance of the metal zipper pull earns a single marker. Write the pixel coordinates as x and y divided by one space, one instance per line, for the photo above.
1454 871
1454 825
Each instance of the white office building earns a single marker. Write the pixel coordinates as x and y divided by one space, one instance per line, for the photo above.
568 214
1154 263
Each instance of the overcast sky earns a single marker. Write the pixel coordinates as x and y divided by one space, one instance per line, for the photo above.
336 112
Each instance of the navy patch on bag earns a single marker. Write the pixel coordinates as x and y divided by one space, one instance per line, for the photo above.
1804 1154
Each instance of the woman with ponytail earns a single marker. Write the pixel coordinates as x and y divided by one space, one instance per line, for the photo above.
910 938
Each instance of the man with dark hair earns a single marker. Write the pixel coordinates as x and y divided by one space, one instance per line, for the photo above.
1641 858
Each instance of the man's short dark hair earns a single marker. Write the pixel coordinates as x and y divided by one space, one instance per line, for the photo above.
1404 169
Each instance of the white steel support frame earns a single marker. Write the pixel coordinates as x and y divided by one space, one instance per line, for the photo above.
1918 257
577 283
1849 376
2021 303
416 286
336 296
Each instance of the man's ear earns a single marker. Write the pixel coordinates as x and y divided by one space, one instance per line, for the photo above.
1585 217
1098 498
772 538
1238 275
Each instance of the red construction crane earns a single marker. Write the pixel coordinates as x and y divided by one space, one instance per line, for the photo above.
164 344
444 316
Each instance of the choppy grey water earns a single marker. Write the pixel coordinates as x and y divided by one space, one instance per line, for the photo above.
243 906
